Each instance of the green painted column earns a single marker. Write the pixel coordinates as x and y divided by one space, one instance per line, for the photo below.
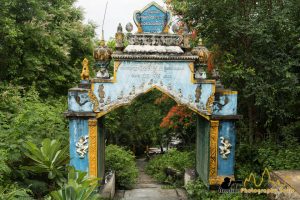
202 149
101 148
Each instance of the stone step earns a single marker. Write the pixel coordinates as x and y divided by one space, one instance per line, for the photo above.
147 185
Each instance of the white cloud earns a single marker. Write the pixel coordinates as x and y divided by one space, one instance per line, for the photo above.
119 11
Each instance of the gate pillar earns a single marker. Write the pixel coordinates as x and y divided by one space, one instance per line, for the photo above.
87 141
78 142
216 139
83 127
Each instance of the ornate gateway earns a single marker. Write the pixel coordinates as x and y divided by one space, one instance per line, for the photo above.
153 59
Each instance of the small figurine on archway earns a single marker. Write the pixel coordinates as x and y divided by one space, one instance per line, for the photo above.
82 146
225 149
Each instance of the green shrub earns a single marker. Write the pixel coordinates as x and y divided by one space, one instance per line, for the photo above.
173 159
51 159
267 154
123 163
13 192
198 191
279 157
4 168
26 117
79 187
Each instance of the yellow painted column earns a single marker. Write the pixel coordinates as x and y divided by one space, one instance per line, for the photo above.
213 157
93 148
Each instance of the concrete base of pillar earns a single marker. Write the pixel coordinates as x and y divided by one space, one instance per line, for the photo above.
108 190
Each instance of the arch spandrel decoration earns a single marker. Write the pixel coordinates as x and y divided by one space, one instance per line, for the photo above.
153 60
134 78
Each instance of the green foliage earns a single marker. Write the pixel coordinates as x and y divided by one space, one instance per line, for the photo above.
50 158
173 159
43 42
257 51
24 116
279 156
78 187
42 46
4 168
197 190
12 192
256 45
134 126
123 163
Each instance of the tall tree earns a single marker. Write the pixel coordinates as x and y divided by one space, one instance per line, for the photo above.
257 50
181 121
43 42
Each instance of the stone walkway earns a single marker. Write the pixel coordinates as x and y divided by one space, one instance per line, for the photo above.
148 189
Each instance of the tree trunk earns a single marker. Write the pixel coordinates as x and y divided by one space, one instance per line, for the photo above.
250 124
161 148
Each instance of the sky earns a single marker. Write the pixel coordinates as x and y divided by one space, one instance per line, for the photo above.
118 11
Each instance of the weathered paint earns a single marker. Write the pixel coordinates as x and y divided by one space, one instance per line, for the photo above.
82 104
213 151
78 128
225 104
135 78
226 166
202 149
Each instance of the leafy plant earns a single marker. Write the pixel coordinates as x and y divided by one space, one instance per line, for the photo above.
78 187
197 190
23 118
174 160
12 192
4 168
43 45
50 158
24 112
123 163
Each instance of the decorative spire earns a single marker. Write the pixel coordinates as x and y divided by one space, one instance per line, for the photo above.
102 41
102 56
201 51
119 38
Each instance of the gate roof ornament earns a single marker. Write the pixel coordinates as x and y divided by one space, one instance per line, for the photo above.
152 19
153 40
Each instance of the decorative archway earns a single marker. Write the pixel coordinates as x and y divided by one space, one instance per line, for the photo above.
156 59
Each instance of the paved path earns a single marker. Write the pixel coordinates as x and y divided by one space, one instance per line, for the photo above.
148 189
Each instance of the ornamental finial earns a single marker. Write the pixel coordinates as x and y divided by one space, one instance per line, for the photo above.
201 51
102 41
85 74
200 43
119 38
